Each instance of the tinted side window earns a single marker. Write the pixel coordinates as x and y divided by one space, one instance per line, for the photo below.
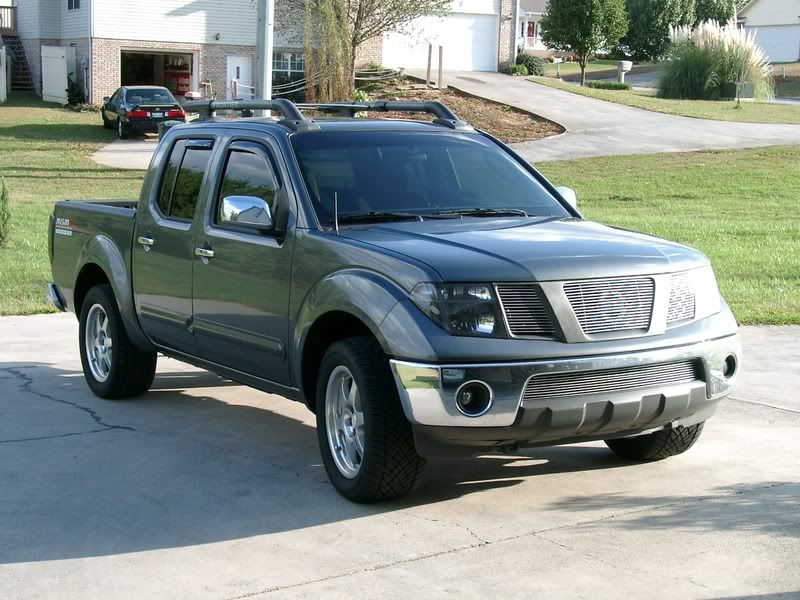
170 173
187 183
248 174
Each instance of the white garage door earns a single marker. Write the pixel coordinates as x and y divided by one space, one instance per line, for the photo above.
780 43
469 41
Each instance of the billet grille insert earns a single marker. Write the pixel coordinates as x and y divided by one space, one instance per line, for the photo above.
681 299
525 310
609 305
576 383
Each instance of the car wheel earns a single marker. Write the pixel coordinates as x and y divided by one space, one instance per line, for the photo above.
122 131
658 445
112 366
366 442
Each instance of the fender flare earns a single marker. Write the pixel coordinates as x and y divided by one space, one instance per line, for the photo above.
105 254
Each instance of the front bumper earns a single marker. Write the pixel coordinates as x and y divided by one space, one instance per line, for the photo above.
516 418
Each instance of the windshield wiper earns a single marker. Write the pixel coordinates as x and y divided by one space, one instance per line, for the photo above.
378 216
485 212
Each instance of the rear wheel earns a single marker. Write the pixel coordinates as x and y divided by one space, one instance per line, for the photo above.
122 131
658 445
112 366
366 442
106 122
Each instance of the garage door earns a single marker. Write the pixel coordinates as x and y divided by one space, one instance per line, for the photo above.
469 41
781 43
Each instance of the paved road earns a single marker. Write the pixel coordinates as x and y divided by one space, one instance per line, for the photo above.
204 489
598 128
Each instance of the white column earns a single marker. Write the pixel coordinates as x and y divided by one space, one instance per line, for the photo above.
264 47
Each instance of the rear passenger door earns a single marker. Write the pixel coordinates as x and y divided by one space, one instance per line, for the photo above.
241 275
164 244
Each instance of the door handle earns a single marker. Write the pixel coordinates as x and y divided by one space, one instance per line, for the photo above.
146 242
204 252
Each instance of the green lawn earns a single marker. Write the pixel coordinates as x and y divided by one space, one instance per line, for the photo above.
572 68
738 207
44 156
787 79
750 112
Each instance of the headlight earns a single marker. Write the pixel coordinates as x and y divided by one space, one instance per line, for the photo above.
461 309
707 299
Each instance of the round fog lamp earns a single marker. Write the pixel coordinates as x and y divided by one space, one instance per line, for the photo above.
474 398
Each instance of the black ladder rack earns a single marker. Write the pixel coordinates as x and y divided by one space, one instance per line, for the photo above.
296 120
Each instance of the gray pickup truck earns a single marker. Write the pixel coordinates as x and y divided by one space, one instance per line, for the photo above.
419 286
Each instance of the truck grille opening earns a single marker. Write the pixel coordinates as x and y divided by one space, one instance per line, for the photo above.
602 381
681 299
610 305
525 310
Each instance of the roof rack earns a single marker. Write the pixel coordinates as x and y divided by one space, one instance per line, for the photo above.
294 119
444 116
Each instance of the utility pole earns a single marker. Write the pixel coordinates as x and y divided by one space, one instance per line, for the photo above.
265 24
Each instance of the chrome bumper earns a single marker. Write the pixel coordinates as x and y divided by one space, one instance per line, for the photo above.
427 391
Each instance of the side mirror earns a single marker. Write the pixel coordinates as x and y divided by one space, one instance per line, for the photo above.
246 211
569 196
106 98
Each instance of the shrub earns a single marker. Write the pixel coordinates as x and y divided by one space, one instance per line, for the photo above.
5 212
361 96
74 92
708 61
519 70
533 64
608 85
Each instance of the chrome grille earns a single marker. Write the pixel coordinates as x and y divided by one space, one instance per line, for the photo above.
576 383
524 309
681 299
608 305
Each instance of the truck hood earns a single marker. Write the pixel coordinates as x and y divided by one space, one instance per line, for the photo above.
548 249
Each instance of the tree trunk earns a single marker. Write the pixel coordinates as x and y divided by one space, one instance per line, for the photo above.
583 74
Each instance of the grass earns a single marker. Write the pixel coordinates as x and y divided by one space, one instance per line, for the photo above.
787 80
44 157
750 112
572 68
738 207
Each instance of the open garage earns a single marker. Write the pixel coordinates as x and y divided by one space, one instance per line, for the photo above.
173 70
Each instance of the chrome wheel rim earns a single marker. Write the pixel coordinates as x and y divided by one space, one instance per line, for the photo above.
99 345
344 422
119 127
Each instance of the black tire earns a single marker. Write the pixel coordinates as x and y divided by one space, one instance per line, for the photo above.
390 466
122 131
658 445
106 122
131 371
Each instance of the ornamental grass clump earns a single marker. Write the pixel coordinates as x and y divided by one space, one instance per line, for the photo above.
711 62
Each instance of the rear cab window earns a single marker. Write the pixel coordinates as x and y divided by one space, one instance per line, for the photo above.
183 177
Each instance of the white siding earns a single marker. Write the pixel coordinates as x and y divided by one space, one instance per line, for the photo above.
478 7
50 18
74 23
28 19
772 12
194 21
780 43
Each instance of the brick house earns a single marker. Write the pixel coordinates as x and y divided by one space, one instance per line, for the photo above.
183 43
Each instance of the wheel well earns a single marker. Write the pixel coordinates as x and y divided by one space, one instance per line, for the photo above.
90 276
326 330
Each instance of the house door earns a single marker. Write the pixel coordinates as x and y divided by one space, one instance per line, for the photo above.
530 38
239 68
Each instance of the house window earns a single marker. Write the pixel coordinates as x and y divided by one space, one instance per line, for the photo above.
288 62
73 4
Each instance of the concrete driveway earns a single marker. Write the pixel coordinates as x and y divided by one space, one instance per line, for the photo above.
598 128
205 489
133 153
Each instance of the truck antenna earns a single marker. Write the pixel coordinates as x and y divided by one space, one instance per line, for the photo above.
336 211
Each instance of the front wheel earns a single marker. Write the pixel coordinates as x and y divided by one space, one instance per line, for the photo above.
366 442
658 445
112 366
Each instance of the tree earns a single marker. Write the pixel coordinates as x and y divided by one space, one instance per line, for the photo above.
349 23
583 27
650 24
721 11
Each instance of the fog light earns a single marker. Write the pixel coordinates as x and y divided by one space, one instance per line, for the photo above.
474 398
729 367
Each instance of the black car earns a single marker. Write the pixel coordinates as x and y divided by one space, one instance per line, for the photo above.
139 109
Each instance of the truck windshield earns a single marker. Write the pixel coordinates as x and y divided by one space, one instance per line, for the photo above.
419 173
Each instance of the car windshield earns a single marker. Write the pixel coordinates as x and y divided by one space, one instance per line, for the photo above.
150 96
419 173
